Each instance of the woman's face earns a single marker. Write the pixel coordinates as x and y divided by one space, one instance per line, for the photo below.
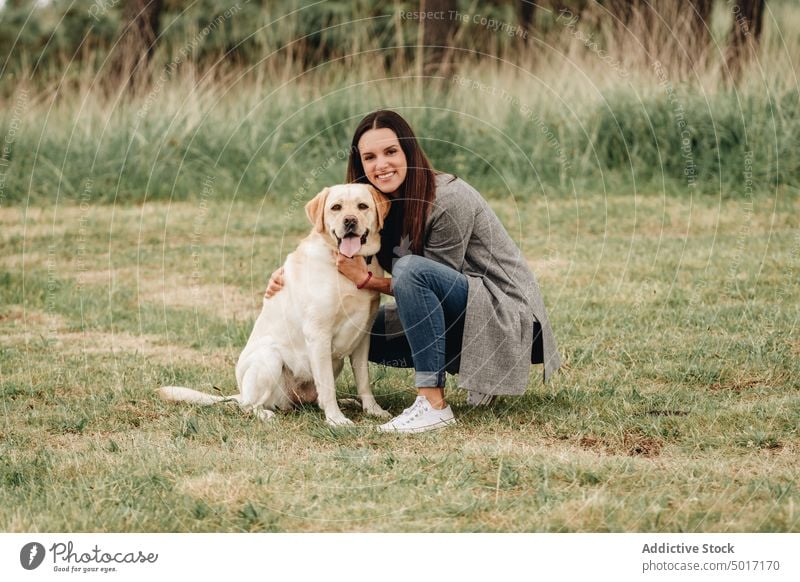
383 159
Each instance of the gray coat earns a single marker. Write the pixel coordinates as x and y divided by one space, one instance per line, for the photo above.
504 300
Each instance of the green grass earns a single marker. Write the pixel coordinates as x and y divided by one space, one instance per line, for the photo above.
677 408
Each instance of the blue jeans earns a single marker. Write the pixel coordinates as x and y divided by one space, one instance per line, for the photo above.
431 301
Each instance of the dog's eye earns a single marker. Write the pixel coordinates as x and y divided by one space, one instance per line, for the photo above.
363 206
336 207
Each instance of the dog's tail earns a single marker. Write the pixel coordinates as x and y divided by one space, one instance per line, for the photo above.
181 394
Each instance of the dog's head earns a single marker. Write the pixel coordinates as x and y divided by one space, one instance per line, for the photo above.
351 217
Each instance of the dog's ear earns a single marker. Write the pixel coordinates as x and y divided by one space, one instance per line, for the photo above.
382 204
315 210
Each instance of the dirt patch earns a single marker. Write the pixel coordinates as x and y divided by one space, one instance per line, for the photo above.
100 278
226 301
29 261
736 385
548 266
214 487
633 444
16 315
34 222
35 327
177 290
150 346
18 324
638 445
135 414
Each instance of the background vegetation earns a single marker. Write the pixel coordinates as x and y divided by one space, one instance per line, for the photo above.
584 101
643 154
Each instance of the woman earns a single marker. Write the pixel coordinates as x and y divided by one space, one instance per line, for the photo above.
465 299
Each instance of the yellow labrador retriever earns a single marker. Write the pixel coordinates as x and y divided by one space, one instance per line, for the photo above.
299 341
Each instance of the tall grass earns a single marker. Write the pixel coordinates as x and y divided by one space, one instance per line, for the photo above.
557 117
676 408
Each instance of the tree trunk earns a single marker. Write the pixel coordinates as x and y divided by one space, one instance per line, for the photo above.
701 21
137 40
748 16
437 32
624 10
527 16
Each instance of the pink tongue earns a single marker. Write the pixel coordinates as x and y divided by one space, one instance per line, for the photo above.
350 246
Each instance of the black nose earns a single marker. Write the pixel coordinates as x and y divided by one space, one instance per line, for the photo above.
350 222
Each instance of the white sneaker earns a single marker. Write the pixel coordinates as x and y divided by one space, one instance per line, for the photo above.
420 417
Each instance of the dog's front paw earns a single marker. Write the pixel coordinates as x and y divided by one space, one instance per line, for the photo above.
338 420
376 411
264 415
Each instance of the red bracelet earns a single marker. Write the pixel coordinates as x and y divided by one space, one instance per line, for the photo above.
369 276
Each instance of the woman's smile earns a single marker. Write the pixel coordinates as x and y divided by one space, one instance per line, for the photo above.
385 177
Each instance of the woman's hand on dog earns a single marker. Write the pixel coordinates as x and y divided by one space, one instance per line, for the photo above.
354 269
275 283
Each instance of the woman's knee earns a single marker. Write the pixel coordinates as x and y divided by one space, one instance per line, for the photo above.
406 270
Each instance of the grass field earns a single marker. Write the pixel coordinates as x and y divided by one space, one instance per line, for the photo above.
658 206
677 408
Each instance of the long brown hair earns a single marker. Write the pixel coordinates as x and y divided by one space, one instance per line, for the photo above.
413 200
